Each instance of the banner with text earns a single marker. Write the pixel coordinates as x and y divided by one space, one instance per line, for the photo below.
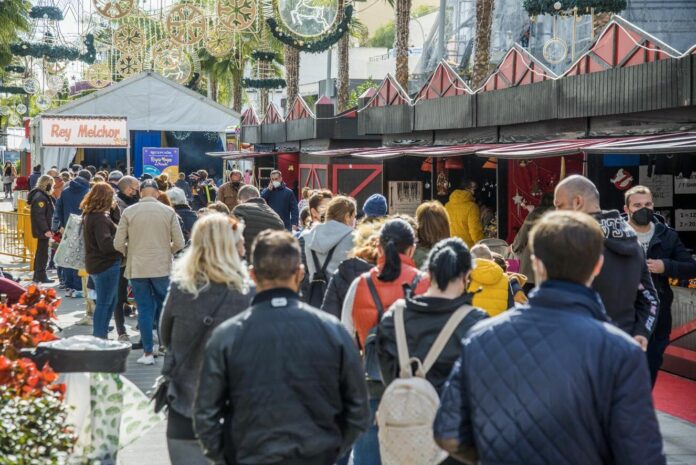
158 160
84 131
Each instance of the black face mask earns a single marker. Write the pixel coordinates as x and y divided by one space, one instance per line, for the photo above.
643 216
236 184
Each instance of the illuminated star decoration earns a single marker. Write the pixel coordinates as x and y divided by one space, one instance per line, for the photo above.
517 200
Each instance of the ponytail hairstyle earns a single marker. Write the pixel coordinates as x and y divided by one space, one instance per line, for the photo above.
448 260
395 238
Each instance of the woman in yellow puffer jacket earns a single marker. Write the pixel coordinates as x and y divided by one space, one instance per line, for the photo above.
490 287
464 214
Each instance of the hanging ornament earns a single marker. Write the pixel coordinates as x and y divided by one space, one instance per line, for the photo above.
517 199
128 38
174 64
20 108
54 67
15 120
442 183
237 15
113 9
128 65
43 102
5 110
219 43
31 85
622 180
185 24
99 75
55 83
555 49
307 18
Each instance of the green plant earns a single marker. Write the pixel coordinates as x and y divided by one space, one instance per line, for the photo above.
422 10
14 19
32 430
46 12
359 90
383 36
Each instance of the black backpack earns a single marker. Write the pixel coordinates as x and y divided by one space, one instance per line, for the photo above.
317 286
372 371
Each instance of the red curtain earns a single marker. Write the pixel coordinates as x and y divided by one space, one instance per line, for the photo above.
529 180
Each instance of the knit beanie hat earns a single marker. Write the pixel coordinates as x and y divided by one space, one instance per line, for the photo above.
375 206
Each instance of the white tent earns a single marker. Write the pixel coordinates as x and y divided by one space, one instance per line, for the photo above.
151 103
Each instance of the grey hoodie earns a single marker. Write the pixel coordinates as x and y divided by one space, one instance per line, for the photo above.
321 239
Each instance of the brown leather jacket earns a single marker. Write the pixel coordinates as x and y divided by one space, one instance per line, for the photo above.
227 193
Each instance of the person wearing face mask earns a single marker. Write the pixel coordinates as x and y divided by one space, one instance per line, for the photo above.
41 203
285 377
625 285
282 200
128 192
553 371
227 193
666 258
464 214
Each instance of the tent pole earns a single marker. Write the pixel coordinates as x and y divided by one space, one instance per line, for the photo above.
128 162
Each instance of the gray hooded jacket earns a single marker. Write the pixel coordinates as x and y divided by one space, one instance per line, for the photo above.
321 239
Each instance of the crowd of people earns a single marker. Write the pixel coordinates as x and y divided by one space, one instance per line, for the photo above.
293 333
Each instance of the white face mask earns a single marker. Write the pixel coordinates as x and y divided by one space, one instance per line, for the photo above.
276 184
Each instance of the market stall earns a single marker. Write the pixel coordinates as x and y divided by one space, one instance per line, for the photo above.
160 113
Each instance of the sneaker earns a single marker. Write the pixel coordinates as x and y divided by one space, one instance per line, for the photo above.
146 360
68 292
85 321
77 295
123 338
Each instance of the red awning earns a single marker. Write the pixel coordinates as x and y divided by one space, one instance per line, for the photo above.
663 143
239 155
549 148
424 152
342 152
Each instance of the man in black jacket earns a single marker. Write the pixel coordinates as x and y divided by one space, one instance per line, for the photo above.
624 284
552 381
667 258
256 214
285 378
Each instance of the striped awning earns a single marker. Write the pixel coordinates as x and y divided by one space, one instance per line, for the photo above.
346 152
663 143
234 155
549 148
424 152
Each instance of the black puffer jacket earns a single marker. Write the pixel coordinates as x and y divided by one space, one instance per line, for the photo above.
624 284
42 206
257 217
294 382
424 318
552 383
340 282
188 219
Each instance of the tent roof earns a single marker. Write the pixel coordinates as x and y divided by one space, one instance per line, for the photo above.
154 103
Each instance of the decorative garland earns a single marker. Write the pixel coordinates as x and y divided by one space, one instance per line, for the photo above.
15 69
263 56
272 83
540 7
11 90
56 52
315 46
46 12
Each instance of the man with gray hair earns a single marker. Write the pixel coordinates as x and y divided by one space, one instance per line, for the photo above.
148 235
182 208
113 179
128 192
256 214
624 284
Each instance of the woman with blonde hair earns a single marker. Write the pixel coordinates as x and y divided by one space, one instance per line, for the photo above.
361 258
209 285
102 261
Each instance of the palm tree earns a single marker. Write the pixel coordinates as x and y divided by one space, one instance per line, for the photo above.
356 30
292 73
403 15
14 19
482 57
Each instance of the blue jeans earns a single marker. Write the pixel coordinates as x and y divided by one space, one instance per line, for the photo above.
149 296
72 279
366 448
106 285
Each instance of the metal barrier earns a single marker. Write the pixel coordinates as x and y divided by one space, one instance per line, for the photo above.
15 235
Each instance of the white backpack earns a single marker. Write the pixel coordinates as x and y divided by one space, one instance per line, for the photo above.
409 404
